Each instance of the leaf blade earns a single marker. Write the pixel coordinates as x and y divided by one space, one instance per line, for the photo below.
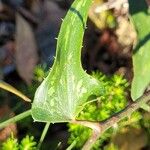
141 64
62 94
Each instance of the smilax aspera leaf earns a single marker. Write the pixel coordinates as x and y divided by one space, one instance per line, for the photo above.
66 89
140 16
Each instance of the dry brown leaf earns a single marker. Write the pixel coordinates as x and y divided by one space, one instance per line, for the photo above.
99 19
125 32
26 49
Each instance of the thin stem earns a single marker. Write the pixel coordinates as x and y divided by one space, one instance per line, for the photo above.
15 119
72 145
100 128
43 135
13 90
125 112
96 130
90 124
58 146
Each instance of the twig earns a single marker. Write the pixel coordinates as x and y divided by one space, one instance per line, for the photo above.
96 130
125 112
91 141
100 128
93 125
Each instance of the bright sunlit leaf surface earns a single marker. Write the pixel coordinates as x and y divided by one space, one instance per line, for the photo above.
66 89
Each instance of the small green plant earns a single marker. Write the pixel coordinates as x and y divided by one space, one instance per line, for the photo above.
26 143
10 144
112 101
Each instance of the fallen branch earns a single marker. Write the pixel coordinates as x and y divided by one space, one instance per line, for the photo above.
100 128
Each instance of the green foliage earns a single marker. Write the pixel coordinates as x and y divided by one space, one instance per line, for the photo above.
112 101
66 89
40 72
10 144
141 62
132 121
26 143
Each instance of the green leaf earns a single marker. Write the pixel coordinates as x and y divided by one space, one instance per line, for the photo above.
10 144
28 143
146 107
141 55
66 89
